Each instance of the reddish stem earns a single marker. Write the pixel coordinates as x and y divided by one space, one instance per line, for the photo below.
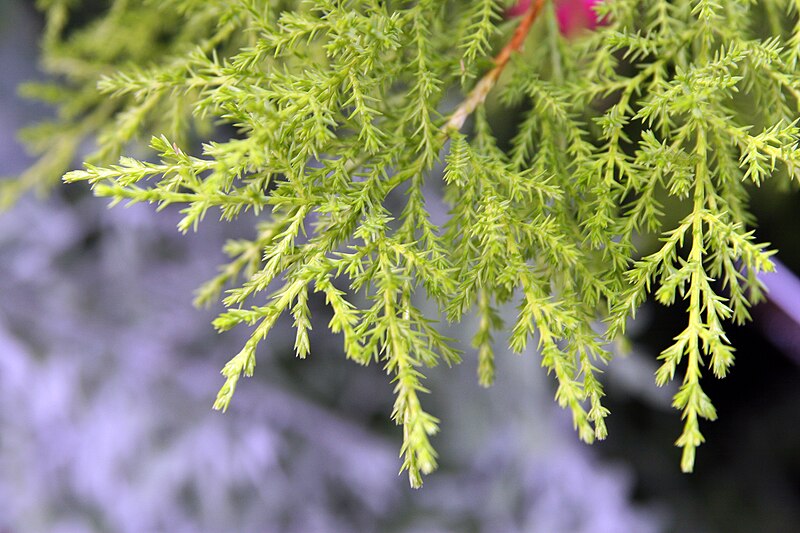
481 90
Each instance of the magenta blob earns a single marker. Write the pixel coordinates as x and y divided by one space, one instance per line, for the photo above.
573 15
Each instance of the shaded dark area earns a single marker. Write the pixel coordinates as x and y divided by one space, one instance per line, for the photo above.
747 474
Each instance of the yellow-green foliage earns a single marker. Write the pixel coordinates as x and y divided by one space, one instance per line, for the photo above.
333 105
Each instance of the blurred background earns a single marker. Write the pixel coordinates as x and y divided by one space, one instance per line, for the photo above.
107 375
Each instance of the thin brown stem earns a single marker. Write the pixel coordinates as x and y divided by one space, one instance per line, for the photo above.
481 90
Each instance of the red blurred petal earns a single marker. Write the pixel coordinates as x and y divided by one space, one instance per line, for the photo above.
573 15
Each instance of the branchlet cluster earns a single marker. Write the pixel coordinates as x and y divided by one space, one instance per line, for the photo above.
331 120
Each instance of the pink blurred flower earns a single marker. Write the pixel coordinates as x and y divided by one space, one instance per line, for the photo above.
573 15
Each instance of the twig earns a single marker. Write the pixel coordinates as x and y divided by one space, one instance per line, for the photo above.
485 85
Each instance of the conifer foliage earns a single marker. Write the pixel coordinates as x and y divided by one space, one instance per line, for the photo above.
330 120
